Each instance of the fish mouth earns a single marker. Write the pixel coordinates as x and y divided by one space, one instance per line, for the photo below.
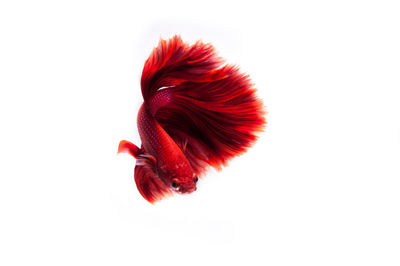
187 190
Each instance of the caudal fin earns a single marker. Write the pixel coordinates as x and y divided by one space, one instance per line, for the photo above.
212 111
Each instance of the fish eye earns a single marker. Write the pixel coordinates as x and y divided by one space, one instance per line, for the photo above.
174 184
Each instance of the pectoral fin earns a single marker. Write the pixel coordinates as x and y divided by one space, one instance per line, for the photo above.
147 181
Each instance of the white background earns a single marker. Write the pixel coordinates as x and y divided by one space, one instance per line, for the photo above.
320 187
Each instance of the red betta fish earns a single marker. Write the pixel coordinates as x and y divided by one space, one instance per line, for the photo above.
197 112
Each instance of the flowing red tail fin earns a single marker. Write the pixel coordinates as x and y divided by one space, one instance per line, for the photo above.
212 111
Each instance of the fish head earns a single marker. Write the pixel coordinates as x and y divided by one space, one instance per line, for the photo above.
184 185
179 177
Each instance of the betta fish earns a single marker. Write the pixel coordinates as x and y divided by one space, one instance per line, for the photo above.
198 112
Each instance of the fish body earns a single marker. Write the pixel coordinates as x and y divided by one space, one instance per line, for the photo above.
172 165
197 112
